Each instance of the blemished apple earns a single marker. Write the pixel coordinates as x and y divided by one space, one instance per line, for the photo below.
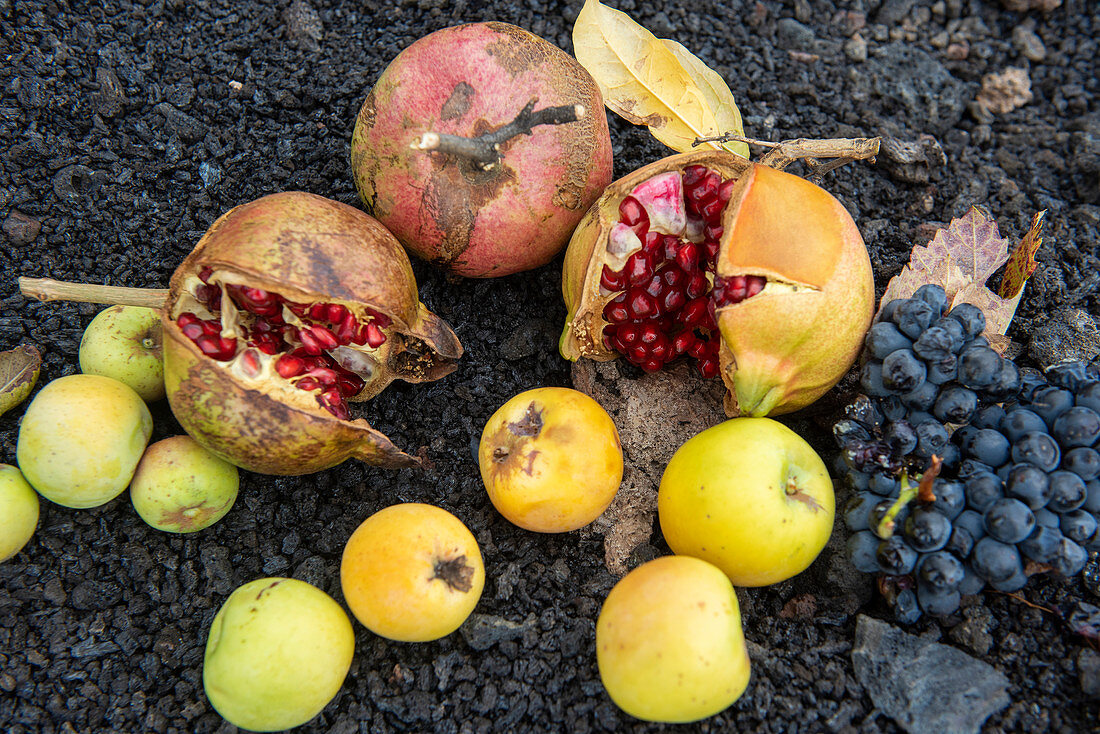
180 487
81 439
18 511
278 652
551 459
669 643
750 496
125 342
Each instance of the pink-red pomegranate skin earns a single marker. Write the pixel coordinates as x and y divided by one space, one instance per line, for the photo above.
468 80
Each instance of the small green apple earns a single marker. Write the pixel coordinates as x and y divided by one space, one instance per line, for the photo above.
669 644
81 439
278 652
18 511
750 496
180 487
124 342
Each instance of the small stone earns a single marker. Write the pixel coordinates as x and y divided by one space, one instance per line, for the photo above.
892 11
855 48
792 35
973 632
21 228
957 51
1028 43
180 123
210 173
303 25
54 592
1088 669
482 631
110 98
1068 333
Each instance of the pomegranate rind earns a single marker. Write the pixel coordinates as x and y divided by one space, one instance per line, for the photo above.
784 349
468 80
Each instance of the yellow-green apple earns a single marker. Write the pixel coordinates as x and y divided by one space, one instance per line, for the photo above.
125 342
750 496
18 511
180 487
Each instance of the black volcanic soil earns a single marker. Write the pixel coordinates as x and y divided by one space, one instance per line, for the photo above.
126 128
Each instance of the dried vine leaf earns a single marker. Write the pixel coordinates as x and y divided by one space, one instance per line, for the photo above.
18 372
961 258
1021 263
655 83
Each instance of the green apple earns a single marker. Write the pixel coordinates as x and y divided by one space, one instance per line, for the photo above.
124 342
180 487
750 496
278 652
18 511
669 644
81 439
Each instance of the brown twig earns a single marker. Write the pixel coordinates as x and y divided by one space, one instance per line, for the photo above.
928 478
484 150
782 154
47 289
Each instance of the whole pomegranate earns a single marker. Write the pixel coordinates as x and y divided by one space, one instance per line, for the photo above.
288 308
756 275
481 218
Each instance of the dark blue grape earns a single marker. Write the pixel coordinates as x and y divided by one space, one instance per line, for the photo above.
884 485
933 344
870 379
934 295
1077 427
1015 582
970 467
950 498
883 338
978 367
943 370
970 317
972 583
1046 517
893 409
961 542
923 398
995 561
1092 498
1042 545
931 439
988 416
890 309
1079 526
1019 421
937 602
902 371
1070 558
1005 385
1029 484
1067 491
950 455
982 489
955 404
927 530
954 330
1009 520
906 607
963 435
1088 395
1030 381
913 317
940 570
900 437
1050 402
920 416
857 510
978 341
856 480
971 521
1068 375
895 557
860 549
880 511
1084 462
1039 449
989 447
845 429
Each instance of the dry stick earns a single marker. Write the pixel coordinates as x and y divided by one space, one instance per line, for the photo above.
484 150
47 289
785 152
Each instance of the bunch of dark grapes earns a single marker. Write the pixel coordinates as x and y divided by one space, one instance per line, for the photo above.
1020 475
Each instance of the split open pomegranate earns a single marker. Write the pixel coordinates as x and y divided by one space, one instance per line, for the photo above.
751 274
289 308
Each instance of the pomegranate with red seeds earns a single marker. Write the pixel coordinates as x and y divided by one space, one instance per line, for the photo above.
754 275
289 308
472 219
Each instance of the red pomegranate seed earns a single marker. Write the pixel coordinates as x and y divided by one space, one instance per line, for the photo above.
349 384
651 365
324 375
333 402
629 334
373 335
693 312
318 311
289 366
655 286
637 354
309 342
713 232
640 304
205 273
710 249
682 341
694 174
673 301
217 348
638 268
708 368
211 327
649 333
193 331
611 280
712 210
382 319
652 242
324 336
660 348
307 383
697 348
615 311
753 285
687 257
673 277
632 213
187 318
697 285
671 247
710 321
336 313
250 361
268 343
725 191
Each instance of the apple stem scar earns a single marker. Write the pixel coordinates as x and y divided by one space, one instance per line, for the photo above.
455 572
795 493
529 426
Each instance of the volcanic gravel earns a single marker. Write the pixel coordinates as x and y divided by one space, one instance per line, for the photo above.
126 128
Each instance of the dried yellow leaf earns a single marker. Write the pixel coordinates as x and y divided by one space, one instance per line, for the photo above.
653 82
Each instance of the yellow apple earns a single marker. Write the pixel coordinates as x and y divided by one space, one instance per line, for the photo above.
750 496
180 487
412 572
125 342
278 652
81 439
18 511
669 644
551 459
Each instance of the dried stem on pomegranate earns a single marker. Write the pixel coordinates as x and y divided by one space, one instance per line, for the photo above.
48 289
484 150
808 150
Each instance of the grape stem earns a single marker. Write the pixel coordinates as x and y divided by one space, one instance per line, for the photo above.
921 490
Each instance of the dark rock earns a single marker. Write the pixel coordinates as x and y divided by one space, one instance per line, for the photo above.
110 98
973 632
21 228
925 686
482 631
180 123
911 161
932 100
96 595
1068 333
791 34
893 11
303 25
1088 669
72 184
